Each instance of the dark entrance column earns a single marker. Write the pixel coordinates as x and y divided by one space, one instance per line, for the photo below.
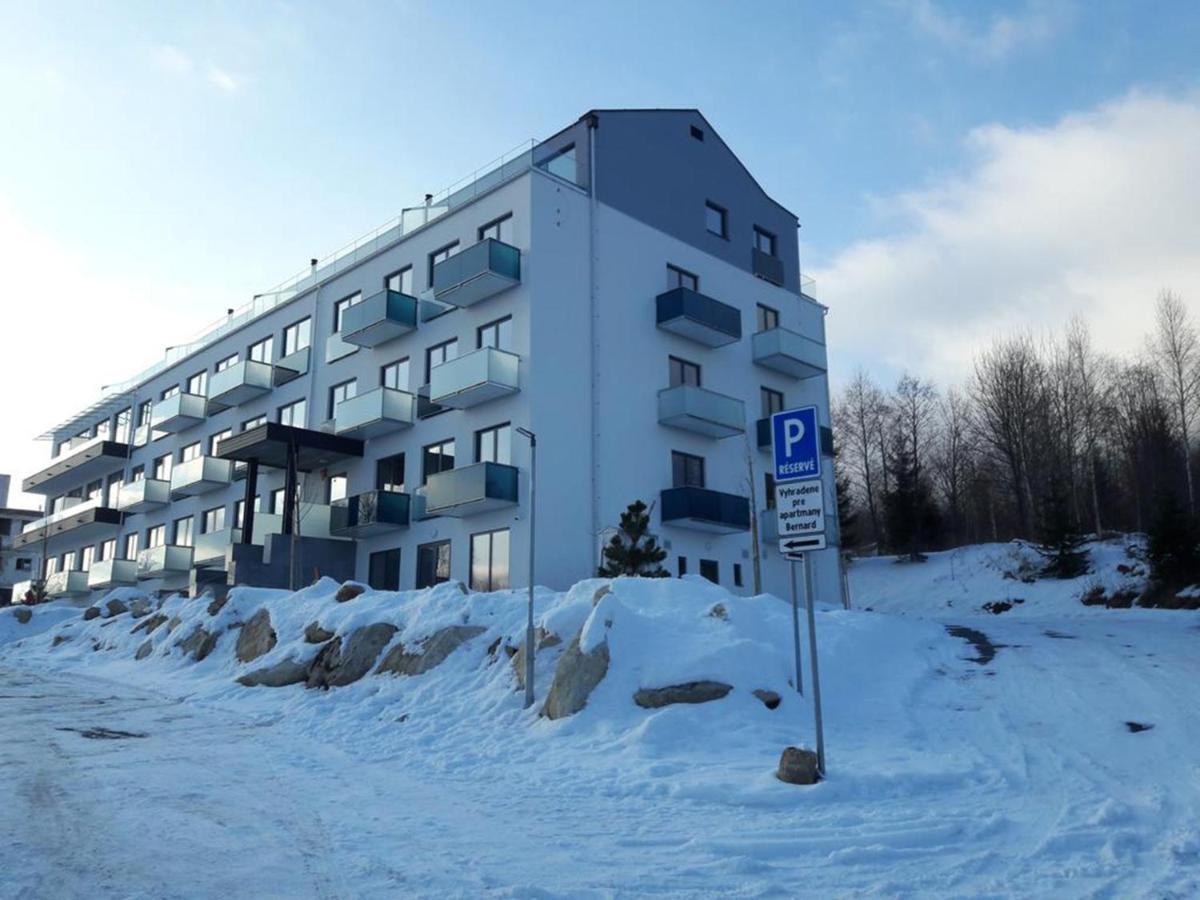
248 504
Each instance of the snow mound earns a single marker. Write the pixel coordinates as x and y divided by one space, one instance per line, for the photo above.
41 618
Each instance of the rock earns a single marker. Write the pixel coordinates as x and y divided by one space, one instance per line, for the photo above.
719 612
798 766
348 592
199 644
575 677
315 634
145 649
256 637
283 673
92 612
601 592
688 692
58 639
114 607
432 653
148 624
547 639
217 605
770 699
173 624
494 646
140 607
344 662
22 615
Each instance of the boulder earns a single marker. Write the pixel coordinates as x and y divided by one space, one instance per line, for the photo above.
719 612
58 639
173 624
22 615
198 644
92 612
148 624
315 634
688 692
256 637
283 673
348 592
140 606
114 607
798 766
601 593
575 677
547 638
343 662
770 699
432 652
145 649
217 605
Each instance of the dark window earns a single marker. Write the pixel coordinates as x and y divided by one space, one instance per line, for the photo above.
766 318
389 474
764 241
677 277
436 458
496 334
162 467
298 336
339 392
401 282
710 570
143 413
500 229
262 351
395 375
438 354
687 470
383 570
441 255
772 401
716 219
683 372
494 444
433 564
239 510
769 489
697 133
223 364
137 473
737 574
681 565
489 560
339 309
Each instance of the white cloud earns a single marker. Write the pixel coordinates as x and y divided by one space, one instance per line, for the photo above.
1037 23
1093 215
222 79
173 59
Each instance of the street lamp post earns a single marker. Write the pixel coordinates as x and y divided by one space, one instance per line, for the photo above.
529 637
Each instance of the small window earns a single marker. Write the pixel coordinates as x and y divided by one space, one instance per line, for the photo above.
262 351
489 560
108 550
698 133
338 487
500 229
156 536
395 375
438 354
737 575
256 422
212 520
162 467
764 241
190 452
137 473
340 392
683 372
340 307
198 384
433 564
389 474
276 507
86 555
716 219
710 569
227 362
441 255
167 394
181 533
681 565
297 336
383 570
130 550
766 318
294 414
214 442
496 334
436 458
401 282
681 278
687 470
143 412
494 444
239 511
772 401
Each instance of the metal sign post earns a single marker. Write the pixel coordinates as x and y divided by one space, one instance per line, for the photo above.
796 632
809 597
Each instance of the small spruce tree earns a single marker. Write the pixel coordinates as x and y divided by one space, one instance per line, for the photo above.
1061 543
1173 543
633 551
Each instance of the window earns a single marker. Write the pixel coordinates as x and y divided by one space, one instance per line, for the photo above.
156 535
198 384
383 570
277 501
227 362
24 564
772 401
131 546
489 561
433 564
681 565
121 435
340 392
168 393
681 278
239 511
162 467
395 375
401 281
766 318
212 520
338 487
108 549
339 309
137 473
769 489
686 470
68 562
103 429
496 334
562 164
143 412
50 566
764 241
500 229
93 490
698 133
214 442
86 555
494 444
112 488
389 474
683 372
297 336
716 219
438 354
256 422
181 532
189 452
294 414
737 575
436 458
710 569
262 351
441 255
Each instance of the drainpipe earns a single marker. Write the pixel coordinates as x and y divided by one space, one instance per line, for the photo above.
593 351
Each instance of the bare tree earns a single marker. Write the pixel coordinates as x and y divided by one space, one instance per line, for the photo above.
858 416
951 456
1176 351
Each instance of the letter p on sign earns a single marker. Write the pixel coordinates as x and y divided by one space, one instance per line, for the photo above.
793 433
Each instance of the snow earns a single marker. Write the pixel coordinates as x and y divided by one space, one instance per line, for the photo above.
946 777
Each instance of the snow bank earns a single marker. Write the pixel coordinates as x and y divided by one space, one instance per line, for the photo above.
41 618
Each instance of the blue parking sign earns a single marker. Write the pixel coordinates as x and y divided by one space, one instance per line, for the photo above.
796 441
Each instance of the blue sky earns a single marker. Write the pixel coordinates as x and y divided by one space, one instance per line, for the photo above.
168 160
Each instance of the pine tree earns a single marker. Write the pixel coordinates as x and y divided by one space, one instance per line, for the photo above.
847 516
633 551
910 515
1061 542
1173 545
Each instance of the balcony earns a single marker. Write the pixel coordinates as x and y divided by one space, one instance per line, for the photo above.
67 584
178 413
705 412
426 408
337 347
78 463
704 510
369 513
164 561
87 519
471 490
240 383
144 495
111 573
377 412
698 318
790 353
475 378
291 367
380 318
479 272
767 267
200 476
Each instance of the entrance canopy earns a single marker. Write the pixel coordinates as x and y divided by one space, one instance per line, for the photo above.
270 445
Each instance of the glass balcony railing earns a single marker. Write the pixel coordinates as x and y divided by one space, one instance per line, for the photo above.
337 347
164 561
379 318
178 413
67 512
375 413
241 382
67 584
704 510
698 318
471 490
110 573
290 367
200 476
88 459
767 267
479 272
790 353
144 495
371 512
474 378
702 411
84 519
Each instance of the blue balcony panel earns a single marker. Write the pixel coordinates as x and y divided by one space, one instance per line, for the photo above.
368 513
471 490
698 318
704 510
380 318
477 273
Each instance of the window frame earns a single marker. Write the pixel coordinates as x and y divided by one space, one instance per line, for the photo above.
400 273
289 330
764 314
429 351
685 366
269 343
448 249
333 389
403 361
723 214
340 307
227 362
493 433
481 232
676 275
690 462
425 472
492 584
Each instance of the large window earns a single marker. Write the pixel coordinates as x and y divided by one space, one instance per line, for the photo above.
766 318
262 351
198 384
162 467
395 375
130 550
433 564
681 278
764 241
121 435
687 470
772 401
297 336
156 536
716 219
226 363
212 520
438 354
383 570
294 414
441 255
189 452
436 458
339 310
501 229
683 372
339 392
389 474
401 281
494 444
496 334
489 561
182 532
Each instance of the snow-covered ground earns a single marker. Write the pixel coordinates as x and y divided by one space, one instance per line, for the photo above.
947 776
